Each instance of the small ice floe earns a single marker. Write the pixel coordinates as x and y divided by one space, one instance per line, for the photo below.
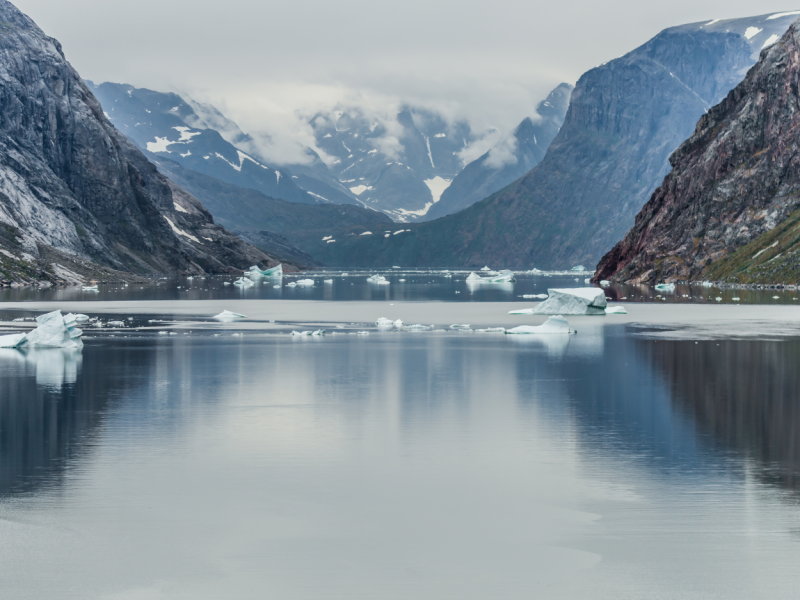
378 279
115 324
238 334
603 283
706 284
163 332
535 296
616 310
485 268
418 327
52 331
718 299
776 297
243 282
226 283
305 282
291 284
318 332
460 326
396 267
327 281
665 287
501 277
227 315
401 280
273 272
384 323
90 288
521 311
573 301
363 333
736 299
555 325
491 330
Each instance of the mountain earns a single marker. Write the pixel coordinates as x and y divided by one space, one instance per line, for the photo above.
509 160
77 199
624 120
167 125
400 165
730 208
271 223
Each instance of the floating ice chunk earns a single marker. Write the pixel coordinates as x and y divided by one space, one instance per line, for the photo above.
115 324
383 322
485 269
776 297
707 284
587 281
77 318
53 332
401 280
317 333
491 330
539 296
273 272
305 282
399 323
367 233
555 325
719 299
460 327
501 277
616 310
327 281
227 315
418 327
665 287
242 282
522 311
603 283
378 279
291 284
363 333
90 288
226 283
735 299
15 340
276 287
573 301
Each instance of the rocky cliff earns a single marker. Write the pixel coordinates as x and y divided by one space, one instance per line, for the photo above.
77 199
729 208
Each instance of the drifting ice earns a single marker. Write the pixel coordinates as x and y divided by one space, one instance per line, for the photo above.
501 277
616 310
53 331
379 279
539 296
273 272
666 287
521 311
318 332
573 301
242 282
304 282
227 315
90 288
557 325
485 269
384 322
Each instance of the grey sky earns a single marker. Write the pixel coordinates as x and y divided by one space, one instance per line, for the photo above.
260 61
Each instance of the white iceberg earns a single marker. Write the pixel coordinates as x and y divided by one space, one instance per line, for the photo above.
521 311
555 325
485 269
90 288
379 279
384 322
52 331
273 272
491 330
227 315
460 327
418 327
666 287
305 282
603 283
398 323
15 340
616 310
501 277
573 301
242 282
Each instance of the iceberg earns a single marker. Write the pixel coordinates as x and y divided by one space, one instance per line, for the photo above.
273 272
491 330
616 310
556 325
305 282
115 324
90 288
418 327
579 269
317 333
227 315
539 296
76 318
242 282
52 331
16 340
665 287
573 301
379 279
521 311
501 277
384 322
603 283
460 327
485 269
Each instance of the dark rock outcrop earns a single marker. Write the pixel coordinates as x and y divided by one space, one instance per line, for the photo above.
71 182
735 186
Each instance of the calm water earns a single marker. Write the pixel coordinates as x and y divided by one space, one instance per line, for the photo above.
423 466
411 285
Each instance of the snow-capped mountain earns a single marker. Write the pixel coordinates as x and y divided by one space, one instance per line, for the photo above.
165 124
400 166
508 160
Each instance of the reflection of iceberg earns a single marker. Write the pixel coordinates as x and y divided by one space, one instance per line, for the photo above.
555 345
573 301
273 272
54 366
556 325
501 277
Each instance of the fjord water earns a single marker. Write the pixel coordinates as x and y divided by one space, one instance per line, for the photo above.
605 465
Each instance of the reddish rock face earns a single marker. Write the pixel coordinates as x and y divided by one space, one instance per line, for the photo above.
734 180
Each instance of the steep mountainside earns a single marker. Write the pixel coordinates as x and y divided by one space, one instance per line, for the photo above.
269 222
507 161
168 125
625 118
730 208
74 192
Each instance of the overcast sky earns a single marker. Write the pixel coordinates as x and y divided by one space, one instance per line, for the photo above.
261 61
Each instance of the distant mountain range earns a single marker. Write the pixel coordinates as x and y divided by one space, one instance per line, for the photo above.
730 208
77 199
509 160
624 120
